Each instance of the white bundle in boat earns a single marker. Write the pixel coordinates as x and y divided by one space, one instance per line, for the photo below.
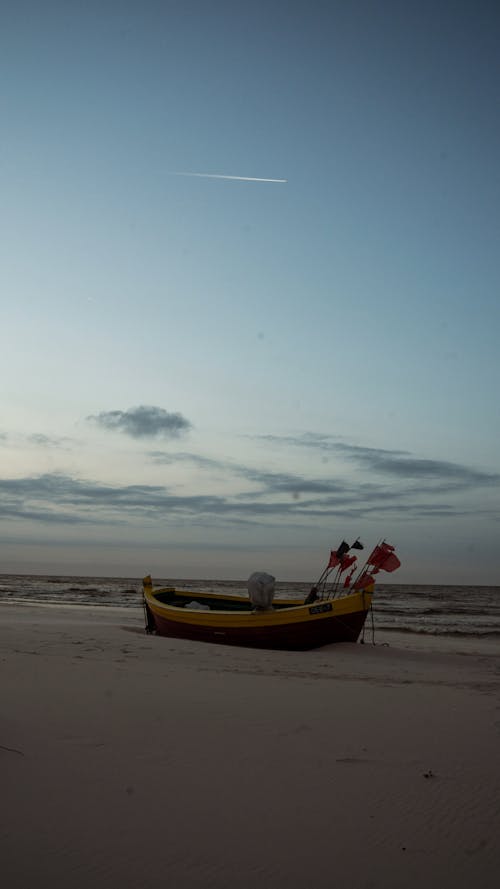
260 588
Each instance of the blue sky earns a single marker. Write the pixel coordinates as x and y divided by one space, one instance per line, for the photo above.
206 377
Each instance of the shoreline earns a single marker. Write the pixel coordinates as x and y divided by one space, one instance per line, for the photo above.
453 643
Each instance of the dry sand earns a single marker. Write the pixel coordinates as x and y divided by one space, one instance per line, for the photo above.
135 761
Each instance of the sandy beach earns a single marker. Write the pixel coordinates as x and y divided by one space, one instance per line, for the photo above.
135 761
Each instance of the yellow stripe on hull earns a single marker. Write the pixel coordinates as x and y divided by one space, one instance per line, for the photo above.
296 614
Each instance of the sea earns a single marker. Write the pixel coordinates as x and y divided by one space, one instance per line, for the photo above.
440 613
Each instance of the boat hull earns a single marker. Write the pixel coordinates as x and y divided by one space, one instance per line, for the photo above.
298 628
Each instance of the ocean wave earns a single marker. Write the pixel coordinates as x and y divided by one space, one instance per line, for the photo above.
439 631
450 611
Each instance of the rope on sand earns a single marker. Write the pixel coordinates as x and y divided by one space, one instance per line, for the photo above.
11 749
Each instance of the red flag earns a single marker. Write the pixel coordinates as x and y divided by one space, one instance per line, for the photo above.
365 580
390 563
347 581
346 562
383 558
380 555
334 560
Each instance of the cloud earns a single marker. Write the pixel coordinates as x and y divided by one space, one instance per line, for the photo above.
406 477
143 422
38 440
388 483
49 441
402 465
269 482
338 495
60 497
443 475
167 458
56 497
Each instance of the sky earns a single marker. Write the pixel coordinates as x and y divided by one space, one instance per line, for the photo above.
203 377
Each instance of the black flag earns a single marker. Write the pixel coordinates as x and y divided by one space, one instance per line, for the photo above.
343 549
357 545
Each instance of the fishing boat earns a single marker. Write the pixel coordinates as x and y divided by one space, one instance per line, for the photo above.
331 611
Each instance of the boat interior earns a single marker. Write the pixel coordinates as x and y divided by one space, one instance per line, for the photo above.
183 599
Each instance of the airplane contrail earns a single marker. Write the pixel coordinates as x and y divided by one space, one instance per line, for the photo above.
221 176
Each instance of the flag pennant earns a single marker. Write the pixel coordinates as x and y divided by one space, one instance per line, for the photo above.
357 545
379 554
383 558
365 580
391 563
334 560
337 555
347 581
343 549
346 562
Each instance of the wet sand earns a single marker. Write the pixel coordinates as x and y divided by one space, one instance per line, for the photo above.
136 761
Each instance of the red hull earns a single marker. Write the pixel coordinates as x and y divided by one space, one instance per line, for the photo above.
293 636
